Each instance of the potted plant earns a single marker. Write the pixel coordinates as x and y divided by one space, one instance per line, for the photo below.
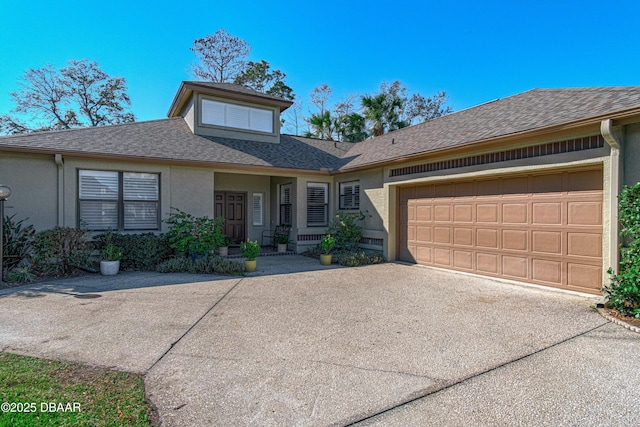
283 241
223 245
250 250
327 243
111 256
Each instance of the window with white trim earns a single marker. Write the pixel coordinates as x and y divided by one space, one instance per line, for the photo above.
285 204
236 116
350 195
118 200
317 204
258 209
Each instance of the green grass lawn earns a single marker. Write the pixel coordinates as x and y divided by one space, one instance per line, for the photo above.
68 394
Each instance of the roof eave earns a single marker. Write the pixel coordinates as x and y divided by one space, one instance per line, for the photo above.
619 118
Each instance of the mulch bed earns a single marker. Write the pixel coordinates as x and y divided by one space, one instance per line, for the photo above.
626 319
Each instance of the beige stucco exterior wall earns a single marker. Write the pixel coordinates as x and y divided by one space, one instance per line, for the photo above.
34 181
188 189
249 184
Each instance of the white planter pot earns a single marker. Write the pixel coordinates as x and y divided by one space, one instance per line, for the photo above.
282 247
223 251
109 268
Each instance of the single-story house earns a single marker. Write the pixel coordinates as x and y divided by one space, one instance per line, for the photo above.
521 188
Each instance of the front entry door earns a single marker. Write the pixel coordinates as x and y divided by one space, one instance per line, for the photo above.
232 206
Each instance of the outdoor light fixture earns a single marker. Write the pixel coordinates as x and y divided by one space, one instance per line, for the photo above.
5 193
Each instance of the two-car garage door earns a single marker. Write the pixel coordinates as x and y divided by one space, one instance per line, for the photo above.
539 228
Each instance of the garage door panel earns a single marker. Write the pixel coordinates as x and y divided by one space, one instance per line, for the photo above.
547 242
463 259
488 188
584 277
584 244
515 240
514 213
545 213
515 267
423 234
442 234
442 213
584 181
487 213
551 183
539 228
463 213
463 236
487 263
548 271
515 187
584 213
442 257
424 253
423 213
487 238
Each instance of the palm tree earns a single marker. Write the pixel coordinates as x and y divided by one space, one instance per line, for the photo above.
322 125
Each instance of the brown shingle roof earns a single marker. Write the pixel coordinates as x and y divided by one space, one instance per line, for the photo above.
534 109
172 140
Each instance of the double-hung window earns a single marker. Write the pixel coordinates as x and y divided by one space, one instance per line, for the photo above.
118 200
350 195
317 204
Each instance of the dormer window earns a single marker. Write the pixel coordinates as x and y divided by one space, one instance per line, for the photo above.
236 116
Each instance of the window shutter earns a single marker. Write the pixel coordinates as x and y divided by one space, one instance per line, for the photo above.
262 120
140 195
285 205
258 209
213 113
98 191
317 204
350 195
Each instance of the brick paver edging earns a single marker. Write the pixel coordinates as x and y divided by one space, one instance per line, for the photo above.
622 323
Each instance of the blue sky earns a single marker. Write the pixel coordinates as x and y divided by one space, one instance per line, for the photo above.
475 51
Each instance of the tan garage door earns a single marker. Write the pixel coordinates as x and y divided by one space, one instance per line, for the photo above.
538 228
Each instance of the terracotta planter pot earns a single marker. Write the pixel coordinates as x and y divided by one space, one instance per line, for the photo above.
325 259
250 265
223 251
109 268
282 247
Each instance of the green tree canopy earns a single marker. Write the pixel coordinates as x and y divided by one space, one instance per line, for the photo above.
259 76
78 95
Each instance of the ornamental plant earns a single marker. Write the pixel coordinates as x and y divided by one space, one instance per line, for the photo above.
327 243
112 252
346 229
250 250
191 235
282 239
623 292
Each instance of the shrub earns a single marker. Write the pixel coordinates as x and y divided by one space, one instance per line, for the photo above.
111 252
142 252
250 250
60 250
205 265
17 242
20 275
194 235
357 258
623 292
346 229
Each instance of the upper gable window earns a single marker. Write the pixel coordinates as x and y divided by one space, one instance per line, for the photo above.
236 116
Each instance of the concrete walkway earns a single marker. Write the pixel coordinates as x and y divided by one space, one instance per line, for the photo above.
381 345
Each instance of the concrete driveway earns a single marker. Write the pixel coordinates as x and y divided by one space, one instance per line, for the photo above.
385 345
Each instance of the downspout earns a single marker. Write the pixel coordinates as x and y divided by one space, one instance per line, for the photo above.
60 163
614 139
